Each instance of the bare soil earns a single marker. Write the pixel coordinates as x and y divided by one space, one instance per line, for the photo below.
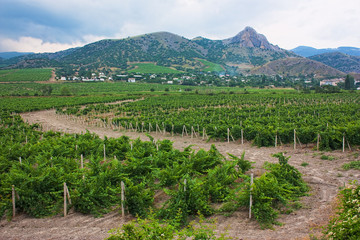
324 177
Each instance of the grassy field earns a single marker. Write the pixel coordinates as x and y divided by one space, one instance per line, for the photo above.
151 68
25 75
210 66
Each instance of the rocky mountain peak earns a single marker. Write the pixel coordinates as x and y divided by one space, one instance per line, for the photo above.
250 38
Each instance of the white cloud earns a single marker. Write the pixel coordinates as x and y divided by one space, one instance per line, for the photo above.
30 44
287 23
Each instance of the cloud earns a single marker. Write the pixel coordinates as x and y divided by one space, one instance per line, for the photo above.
287 23
30 44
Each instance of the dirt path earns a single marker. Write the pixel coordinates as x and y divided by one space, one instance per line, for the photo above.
325 177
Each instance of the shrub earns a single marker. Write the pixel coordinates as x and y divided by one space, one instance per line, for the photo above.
346 223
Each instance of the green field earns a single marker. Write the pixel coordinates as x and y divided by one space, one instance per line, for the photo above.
25 75
151 68
210 66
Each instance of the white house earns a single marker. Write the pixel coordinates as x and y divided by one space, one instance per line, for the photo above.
63 78
132 80
332 82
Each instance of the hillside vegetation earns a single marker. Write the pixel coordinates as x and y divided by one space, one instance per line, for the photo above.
339 61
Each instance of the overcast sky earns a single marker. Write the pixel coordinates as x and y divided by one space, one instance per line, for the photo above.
53 25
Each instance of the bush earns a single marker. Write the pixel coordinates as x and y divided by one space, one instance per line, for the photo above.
346 223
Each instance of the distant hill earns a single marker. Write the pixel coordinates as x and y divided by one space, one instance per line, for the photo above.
339 61
7 55
297 67
305 51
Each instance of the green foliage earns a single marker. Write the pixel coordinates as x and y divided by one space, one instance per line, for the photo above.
190 197
151 228
23 75
304 164
326 157
346 223
273 191
210 66
349 82
352 165
241 163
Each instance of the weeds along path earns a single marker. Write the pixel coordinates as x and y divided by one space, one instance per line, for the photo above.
324 177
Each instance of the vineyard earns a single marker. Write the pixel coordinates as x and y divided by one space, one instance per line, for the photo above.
48 173
25 75
37 164
328 121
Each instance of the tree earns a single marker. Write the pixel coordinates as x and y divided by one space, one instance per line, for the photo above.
46 90
349 82
65 91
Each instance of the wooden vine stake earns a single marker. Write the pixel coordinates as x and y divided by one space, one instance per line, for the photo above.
81 161
122 199
185 185
276 140
318 142
228 135
184 131
104 153
13 200
343 145
66 195
251 183
242 137
294 138
150 127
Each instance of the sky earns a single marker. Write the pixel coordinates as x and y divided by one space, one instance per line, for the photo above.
54 25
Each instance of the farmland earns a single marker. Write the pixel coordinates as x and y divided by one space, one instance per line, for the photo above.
211 67
25 75
265 119
93 145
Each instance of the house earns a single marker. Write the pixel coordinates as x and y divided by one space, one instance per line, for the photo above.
88 80
170 82
332 82
63 78
132 80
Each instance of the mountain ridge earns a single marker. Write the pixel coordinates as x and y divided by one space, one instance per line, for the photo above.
239 54
306 51
340 61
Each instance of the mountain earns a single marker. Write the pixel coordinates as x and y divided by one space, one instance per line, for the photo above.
7 55
249 38
245 50
297 66
340 61
310 51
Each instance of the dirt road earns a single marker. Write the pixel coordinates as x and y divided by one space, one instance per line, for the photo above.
324 177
